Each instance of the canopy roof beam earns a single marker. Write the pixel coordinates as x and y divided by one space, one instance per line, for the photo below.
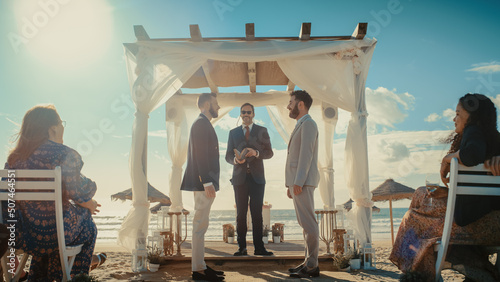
252 69
195 32
305 34
360 31
140 33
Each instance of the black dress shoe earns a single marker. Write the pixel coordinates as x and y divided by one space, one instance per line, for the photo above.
262 252
207 276
296 269
241 252
304 273
217 272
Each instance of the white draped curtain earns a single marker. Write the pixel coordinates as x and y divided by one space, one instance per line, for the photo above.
333 72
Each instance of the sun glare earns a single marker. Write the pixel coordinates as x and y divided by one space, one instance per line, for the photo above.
62 33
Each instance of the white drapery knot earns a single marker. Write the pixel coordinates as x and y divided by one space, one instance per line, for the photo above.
327 169
176 168
143 204
359 115
141 115
363 202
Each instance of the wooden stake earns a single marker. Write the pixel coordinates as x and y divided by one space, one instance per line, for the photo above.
392 227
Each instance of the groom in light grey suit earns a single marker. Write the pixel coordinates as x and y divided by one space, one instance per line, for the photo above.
302 177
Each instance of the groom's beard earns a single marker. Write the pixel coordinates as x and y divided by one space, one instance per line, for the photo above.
294 112
213 112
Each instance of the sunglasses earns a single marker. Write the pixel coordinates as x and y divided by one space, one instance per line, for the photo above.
246 112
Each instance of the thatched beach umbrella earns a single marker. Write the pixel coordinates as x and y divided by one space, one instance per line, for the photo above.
153 195
157 207
348 206
391 190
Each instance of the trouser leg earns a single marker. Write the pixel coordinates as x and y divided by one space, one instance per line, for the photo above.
241 198
202 205
256 201
304 208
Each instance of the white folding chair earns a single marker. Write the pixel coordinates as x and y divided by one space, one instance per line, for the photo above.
464 181
31 188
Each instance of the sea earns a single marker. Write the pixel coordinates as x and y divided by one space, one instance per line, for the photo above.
108 225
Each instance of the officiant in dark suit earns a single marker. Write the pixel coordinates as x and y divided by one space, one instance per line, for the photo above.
248 177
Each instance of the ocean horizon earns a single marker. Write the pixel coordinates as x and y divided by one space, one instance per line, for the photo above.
109 225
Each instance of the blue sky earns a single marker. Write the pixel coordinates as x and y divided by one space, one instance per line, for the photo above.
70 53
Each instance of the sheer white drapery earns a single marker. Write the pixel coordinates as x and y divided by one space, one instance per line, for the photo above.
333 72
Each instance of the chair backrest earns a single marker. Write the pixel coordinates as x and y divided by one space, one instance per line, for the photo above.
34 185
476 180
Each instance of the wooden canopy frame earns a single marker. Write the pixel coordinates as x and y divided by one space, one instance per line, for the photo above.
214 74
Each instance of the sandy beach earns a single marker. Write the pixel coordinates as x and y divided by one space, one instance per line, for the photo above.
117 267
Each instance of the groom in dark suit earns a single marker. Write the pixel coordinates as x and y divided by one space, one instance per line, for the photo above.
248 177
202 177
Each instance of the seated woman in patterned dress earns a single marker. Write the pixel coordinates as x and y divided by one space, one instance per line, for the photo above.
475 140
40 146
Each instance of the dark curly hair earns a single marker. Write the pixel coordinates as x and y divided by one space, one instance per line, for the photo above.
482 112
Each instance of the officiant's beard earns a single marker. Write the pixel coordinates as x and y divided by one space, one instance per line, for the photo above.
294 113
213 112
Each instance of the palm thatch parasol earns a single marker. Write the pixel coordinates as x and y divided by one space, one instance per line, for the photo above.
157 207
153 195
391 190
348 206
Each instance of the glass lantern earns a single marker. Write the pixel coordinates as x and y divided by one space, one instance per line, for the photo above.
368 256
139 260
163 221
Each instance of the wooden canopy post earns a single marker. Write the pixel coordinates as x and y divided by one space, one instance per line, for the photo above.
195 32
392 227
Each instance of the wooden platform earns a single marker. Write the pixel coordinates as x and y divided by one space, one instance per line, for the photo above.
220 251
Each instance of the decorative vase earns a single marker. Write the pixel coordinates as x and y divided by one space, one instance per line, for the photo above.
347 269
356 263
276 239
265 239
230 240
153 267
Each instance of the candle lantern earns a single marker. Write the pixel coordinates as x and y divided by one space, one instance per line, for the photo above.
164 219
349 236
139 254
139 260
368 256
156 241
340 216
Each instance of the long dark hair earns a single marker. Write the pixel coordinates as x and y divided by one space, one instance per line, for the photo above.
482 112
34 132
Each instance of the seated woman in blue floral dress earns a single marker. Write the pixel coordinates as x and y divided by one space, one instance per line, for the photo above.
476 140
40 146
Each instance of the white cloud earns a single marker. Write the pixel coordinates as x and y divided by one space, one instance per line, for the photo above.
496 101
393 151
386 107
158 133
449 114
486 67
432 117
227 122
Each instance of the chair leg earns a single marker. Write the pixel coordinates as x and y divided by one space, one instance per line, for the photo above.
20 267
7 276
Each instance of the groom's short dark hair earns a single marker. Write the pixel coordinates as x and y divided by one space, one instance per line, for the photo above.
302 95
205 97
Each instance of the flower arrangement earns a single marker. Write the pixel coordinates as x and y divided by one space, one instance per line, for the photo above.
276 232
230 232
265 231
341 261
154 255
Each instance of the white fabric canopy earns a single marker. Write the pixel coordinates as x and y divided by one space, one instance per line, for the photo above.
333 72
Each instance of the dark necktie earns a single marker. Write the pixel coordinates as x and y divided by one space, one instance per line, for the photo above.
247 132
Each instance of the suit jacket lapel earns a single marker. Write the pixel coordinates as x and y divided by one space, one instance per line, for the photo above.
295 130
